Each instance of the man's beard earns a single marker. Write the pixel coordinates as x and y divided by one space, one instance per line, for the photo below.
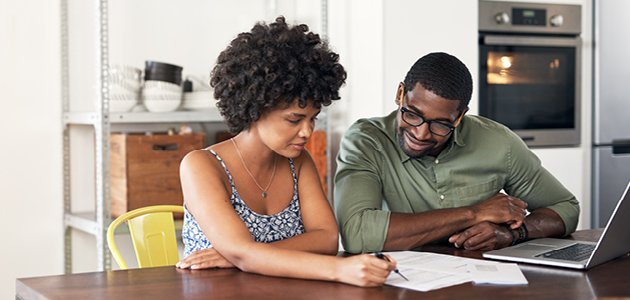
406 149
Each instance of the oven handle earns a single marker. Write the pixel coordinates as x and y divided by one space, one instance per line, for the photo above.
507 40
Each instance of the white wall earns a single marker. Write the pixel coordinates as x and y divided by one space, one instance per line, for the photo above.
378 41
30 177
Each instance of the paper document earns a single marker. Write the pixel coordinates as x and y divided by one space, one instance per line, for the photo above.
428 271
505 273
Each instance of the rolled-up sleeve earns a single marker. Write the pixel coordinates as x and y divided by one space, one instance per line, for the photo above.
532 183
358 194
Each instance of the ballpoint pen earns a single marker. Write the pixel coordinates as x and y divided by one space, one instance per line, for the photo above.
382 256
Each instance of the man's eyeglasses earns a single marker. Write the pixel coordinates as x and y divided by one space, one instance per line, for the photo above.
416 120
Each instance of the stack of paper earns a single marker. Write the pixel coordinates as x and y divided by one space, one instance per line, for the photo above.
428 271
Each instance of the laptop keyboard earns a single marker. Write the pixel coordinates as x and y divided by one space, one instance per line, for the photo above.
575 252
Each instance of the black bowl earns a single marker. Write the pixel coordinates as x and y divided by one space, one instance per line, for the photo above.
175 78
163 72
160 66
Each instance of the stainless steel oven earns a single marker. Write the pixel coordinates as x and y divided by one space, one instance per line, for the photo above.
529 70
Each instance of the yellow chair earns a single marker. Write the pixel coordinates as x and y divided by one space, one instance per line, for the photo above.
153 233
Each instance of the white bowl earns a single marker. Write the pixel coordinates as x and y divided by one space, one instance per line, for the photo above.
156 85
198 100
125 85
121 105
125 76
120 93
157 105
125 72
196 105
200 83
161 96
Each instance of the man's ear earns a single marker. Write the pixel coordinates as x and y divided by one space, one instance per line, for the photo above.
400 92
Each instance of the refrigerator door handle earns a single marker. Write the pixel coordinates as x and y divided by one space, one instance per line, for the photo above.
621 146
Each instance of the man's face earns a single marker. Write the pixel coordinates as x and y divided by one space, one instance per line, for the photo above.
419 141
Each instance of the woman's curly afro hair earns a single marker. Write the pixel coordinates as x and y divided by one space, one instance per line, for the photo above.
272 64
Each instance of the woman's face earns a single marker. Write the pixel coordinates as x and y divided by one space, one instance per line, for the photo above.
285 130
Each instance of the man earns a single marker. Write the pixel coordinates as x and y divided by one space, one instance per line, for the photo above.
428 172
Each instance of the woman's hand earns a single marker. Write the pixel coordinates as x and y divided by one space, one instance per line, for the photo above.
204 259
365 270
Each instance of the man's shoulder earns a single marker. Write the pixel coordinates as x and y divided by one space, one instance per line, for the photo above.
376 128
481 128
483 134
371 137
476 122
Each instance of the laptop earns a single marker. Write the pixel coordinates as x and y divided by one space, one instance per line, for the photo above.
614 242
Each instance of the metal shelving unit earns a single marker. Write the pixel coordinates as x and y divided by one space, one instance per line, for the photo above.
91 223
96 222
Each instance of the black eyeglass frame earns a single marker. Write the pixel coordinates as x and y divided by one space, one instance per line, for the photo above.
404 110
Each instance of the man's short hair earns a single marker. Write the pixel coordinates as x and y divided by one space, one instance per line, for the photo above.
444 75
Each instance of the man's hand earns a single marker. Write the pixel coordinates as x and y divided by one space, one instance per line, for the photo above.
483 236
502 208
412 230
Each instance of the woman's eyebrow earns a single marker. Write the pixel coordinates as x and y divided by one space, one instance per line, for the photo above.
294 114
298 115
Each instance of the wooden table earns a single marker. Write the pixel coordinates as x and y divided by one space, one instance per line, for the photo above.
610 280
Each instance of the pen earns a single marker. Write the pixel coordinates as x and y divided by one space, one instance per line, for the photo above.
381 256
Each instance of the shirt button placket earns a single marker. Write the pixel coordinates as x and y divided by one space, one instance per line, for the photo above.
444 205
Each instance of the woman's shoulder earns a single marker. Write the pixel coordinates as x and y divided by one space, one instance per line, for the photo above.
200 170
207 160
304 158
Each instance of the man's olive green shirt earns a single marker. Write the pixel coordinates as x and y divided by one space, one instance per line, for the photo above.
482 158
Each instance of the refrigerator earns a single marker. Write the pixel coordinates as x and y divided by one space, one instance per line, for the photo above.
611 110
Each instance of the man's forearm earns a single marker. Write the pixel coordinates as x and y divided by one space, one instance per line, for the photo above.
410 230
544 222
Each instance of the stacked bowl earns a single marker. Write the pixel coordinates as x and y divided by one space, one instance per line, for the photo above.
162 90
124 87
198 94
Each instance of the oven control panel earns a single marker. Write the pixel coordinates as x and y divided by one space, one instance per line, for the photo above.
521 17
529 17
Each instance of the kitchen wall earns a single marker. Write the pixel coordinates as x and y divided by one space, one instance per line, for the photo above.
30 155
378 41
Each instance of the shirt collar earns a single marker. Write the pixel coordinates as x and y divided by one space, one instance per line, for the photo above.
392 133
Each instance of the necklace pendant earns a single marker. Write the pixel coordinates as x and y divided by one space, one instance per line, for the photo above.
264 194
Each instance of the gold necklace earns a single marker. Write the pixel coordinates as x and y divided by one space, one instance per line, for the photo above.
275 158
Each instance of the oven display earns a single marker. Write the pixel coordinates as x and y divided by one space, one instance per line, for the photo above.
529 17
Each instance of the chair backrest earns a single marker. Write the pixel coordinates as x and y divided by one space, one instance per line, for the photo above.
153 233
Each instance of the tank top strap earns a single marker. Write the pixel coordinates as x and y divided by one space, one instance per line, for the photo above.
224 167
232 180
293 173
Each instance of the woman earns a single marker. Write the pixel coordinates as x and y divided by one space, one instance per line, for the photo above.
255 202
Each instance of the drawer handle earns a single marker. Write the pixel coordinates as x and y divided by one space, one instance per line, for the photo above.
171 147
621 146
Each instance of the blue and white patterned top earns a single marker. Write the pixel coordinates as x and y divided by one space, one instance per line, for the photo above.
264 228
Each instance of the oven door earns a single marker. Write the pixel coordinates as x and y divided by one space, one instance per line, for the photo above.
532 85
